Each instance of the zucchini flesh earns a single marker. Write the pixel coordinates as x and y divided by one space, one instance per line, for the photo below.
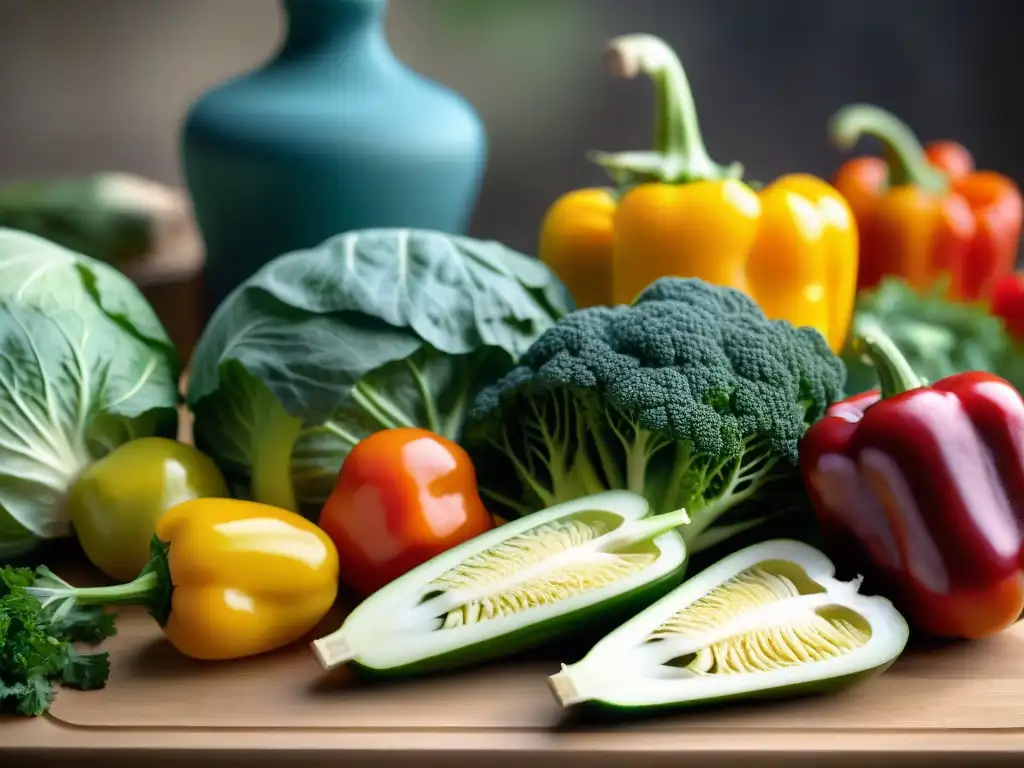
768 621
597 558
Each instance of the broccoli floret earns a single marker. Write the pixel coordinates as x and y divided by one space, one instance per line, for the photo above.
690 396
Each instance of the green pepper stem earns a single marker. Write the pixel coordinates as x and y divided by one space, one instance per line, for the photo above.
136 592
906 158
152 588
895 374
679 150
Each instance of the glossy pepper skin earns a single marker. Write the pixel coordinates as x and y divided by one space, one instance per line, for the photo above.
792 246
403 496
925 213
1007 303
229 578
923 486
116 501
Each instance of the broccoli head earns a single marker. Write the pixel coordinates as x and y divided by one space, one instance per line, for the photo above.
690 396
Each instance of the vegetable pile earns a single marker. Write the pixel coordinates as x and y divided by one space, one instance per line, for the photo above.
490 460
371 330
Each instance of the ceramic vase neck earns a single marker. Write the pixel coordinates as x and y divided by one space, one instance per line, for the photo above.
314 24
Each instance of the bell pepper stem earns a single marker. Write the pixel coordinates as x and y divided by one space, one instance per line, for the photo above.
895 374
676 128
679 152
152 588
906 158
136 592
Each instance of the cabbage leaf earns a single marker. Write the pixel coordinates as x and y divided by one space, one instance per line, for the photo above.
370 330
85 365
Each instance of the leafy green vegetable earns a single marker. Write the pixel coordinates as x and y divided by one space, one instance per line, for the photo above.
36 645
109 216
370 330
85 366
939 337
690 397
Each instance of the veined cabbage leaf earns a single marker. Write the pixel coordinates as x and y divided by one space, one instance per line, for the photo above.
370 330
85 365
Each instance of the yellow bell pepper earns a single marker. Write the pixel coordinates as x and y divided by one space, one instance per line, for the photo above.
791 246
227 579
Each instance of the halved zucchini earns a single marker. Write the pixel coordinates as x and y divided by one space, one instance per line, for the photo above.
601 557
766 622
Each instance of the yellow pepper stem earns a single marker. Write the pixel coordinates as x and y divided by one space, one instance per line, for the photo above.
679 154
904 153
151 588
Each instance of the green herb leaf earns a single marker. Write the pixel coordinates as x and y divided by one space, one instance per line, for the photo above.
36 647
86 624
38 696
85 671
15 577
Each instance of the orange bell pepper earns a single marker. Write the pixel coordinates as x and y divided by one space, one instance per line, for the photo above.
925 213
403 496
791 246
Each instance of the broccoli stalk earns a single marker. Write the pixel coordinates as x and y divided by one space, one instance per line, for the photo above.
565 460
690 397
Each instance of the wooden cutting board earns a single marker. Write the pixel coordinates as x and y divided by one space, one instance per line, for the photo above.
957 704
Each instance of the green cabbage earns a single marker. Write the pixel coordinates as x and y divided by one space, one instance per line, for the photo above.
370 330
85 366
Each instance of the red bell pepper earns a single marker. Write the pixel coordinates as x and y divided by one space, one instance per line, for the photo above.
926 485
1007 303
925 212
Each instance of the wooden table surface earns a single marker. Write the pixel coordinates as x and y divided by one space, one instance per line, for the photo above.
948 704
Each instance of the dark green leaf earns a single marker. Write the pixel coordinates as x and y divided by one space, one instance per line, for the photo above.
86 624
37 696
85 671
36 652
14 577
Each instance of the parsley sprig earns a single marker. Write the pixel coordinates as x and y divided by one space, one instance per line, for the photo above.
37 643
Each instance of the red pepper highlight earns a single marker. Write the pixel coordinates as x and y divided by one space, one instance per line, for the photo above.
926 484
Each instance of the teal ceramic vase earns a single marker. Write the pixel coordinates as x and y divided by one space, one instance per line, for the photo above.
333 133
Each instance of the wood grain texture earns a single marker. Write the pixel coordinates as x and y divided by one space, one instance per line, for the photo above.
961 687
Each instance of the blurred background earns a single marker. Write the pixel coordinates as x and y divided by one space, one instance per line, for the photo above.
103 84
